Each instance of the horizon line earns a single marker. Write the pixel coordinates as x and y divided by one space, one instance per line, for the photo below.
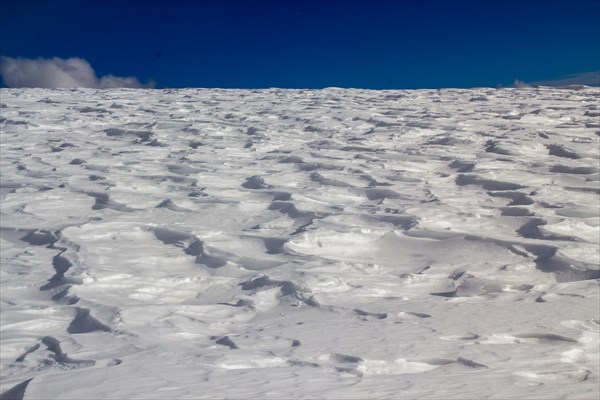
499 87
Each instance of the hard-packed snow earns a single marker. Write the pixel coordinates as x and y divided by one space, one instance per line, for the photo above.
201 244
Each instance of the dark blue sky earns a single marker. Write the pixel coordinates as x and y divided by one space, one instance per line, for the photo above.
312 44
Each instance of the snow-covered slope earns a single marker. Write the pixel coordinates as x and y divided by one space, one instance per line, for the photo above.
184 244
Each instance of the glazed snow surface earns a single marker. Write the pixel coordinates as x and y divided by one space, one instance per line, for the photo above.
189 244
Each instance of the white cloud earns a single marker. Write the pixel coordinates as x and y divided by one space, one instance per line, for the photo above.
521 84
59 73
586 78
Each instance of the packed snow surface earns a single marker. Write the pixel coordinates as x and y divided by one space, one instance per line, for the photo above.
189 244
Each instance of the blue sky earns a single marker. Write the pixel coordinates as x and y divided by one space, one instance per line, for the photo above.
312 44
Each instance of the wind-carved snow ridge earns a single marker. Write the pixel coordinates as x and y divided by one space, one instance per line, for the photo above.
299 243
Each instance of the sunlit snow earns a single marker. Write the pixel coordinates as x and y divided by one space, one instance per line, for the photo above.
200 244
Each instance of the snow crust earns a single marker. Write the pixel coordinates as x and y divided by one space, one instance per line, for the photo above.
272 244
